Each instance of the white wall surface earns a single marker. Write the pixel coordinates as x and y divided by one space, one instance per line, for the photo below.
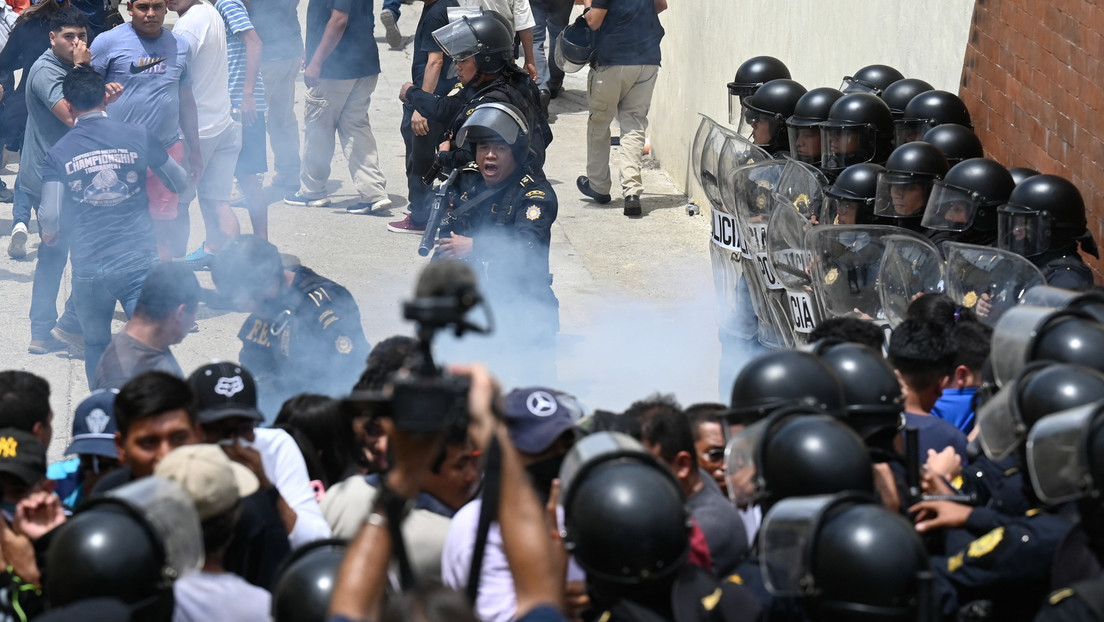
820 41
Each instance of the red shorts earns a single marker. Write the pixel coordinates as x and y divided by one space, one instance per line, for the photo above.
162 201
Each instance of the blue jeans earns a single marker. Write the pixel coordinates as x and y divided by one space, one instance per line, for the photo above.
44 289
21 206
393 6
550 16
96 287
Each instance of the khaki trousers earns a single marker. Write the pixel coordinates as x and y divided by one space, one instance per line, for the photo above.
624 91
341 106
283 127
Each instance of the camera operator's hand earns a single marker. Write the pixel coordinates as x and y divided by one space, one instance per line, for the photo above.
413 455
482 397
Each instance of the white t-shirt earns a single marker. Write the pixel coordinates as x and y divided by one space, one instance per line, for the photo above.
497 600
214 596
202 27
518 11
285 467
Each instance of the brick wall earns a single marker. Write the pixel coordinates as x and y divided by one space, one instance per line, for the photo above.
1033 78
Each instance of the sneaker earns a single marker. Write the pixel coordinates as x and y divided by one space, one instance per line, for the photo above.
632 205
368 208
17 247
406 226
75 341
583 184
394 37
200 259
6 194
298 198
45 346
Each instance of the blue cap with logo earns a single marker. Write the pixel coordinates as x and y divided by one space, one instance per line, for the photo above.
94 425
537 416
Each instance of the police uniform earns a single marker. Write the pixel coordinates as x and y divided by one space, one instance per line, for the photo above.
1080 602
511 229
311 340
1064 268
696 596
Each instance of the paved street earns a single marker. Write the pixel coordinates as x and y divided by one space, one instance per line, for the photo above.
636 295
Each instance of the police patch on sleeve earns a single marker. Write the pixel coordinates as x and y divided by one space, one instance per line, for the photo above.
343 344
535 194
985 544
533 213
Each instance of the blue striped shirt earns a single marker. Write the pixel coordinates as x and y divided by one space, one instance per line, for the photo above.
237 21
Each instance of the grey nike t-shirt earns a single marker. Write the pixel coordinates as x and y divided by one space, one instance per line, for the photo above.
151 72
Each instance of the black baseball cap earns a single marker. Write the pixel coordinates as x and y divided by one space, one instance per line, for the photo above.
94 425
224 390
22 455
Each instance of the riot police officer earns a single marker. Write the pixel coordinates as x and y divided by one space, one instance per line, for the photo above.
906 184
783 378
804 125
750 75
300 322
859 128
1044 220
501 224
928 110
765 112
901 92
483 49
850 198
957 142
871 79
963 205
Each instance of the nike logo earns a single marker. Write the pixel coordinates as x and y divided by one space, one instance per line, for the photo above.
145 64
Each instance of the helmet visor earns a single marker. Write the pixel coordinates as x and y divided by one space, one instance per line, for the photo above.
591 450
1056 456
805 143
852 85
840 211
494 122
842 146
910 266
171 513
901 195
950 208
1023 231
574 48
909 130
1012 337
785 539
1000 429
756 126
740 471
457 39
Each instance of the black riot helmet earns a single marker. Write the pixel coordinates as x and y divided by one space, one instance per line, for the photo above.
928 110
130 544
804 125
968 196
306 582
850 198
484 37
873 402
906 184
957 142
859 128
1044 212
780 378
871 79
1040 389
1020 173
497 122
624 516
800 455
752 74
901 92
1072 337
763 121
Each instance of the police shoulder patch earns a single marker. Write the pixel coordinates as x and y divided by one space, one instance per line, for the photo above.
1060 595
533 212
343 344
535 194
456 89
954 563
709 603
985 544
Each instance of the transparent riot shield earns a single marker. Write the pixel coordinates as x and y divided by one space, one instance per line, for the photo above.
802 185
988 280
790 263
704 155
846 261
755 201
722 157
911 266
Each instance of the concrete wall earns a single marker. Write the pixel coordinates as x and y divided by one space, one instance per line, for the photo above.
1032 81
820 41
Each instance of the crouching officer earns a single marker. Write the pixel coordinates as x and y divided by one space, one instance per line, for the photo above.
303 333
501 224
